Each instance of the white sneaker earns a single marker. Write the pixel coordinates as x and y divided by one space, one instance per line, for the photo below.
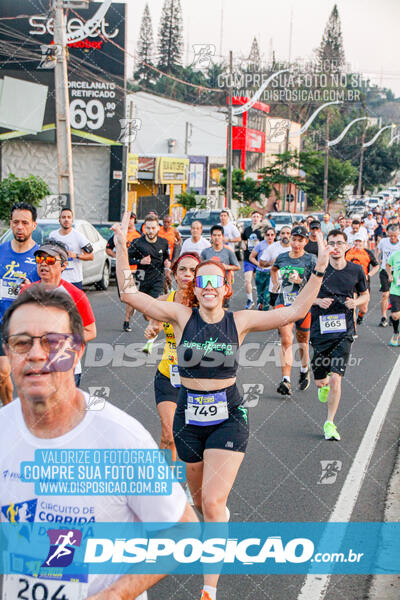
189 495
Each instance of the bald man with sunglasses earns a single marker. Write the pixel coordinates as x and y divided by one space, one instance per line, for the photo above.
51 259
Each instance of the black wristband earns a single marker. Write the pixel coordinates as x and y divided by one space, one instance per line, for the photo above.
318 273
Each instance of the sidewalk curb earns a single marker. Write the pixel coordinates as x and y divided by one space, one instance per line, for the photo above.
387 586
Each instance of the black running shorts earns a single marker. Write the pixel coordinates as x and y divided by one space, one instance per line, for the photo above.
272 298
384 279
153 289
330 357
395 303
163 389
192 440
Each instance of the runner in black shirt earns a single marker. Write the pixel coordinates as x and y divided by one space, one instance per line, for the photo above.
332 325
151 255
312 245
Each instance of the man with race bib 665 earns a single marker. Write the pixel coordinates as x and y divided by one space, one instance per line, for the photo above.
332 325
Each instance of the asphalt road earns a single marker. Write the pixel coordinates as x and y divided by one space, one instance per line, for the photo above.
280 477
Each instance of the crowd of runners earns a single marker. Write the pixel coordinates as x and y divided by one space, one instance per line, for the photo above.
311 280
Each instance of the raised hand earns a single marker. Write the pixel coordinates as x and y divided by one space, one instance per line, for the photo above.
324 252
121 230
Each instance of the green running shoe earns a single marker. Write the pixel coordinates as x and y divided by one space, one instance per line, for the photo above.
395 340
148 347
330 431
323 393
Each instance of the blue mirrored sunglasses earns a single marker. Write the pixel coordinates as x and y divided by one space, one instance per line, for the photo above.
216 281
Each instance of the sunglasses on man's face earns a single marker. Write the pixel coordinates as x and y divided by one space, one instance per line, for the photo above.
49 260
216 281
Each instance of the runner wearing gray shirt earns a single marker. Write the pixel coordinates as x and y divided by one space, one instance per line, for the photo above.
220 252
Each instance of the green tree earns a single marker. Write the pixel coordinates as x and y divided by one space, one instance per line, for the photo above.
170 37
189 199
254 59
380 163
244 189
279 173
341 173
145 48
14 189
330 51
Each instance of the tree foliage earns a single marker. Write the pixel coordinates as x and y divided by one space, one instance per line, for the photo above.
170 37
245 189
380 163
189 199
281 171
330 51
340 174
13 189
145 48
254 59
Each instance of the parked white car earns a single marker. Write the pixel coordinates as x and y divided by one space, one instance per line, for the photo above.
96 271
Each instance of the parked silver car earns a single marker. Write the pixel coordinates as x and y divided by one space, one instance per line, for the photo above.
96 271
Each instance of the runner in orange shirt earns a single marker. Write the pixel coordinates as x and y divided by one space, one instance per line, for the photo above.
173 238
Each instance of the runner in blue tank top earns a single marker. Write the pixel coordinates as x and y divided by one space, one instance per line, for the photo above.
17 267
211 426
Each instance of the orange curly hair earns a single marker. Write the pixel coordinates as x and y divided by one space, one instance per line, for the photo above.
189 295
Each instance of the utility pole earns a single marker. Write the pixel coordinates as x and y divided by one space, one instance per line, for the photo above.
125 158
229 146
360 171
188 133
285 172
326 167
63 127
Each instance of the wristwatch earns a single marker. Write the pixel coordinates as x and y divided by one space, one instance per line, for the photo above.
318 273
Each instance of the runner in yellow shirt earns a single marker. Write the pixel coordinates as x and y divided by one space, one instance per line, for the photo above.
167 381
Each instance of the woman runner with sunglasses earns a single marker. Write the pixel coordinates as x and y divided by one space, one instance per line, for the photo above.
211 426
166 380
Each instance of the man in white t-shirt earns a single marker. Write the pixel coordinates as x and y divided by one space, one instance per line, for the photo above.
270 254
78 245
196 243
43 335
356 230
386 247
231 232
370 225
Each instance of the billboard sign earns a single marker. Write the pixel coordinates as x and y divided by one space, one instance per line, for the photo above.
172 170
96 65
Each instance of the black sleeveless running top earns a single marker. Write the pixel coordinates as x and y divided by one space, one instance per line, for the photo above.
208 350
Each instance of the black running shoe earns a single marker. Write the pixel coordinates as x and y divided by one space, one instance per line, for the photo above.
384 322
304 381
127 326
284 388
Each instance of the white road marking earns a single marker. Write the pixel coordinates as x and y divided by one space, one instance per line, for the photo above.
315 586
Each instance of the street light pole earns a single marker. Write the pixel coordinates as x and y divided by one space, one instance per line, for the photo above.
63 127
229 145
360 171
285 186
326 166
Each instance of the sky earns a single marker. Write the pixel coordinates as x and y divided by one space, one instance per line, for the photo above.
370 30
